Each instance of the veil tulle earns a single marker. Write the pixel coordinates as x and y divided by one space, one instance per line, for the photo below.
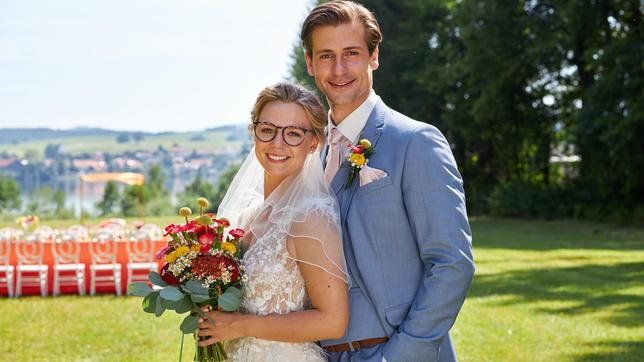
302 207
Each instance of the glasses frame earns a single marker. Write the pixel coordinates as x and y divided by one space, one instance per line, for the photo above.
277 128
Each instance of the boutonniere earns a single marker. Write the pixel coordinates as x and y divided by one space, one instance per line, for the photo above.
358 157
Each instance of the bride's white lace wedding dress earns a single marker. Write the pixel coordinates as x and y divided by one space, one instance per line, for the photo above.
301 210
275 286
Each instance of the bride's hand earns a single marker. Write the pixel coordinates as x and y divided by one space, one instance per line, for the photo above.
226 326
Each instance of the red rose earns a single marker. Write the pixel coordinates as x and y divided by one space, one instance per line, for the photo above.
236 233
357 149
167 276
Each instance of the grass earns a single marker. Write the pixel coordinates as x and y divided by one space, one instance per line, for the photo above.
554 291
543 291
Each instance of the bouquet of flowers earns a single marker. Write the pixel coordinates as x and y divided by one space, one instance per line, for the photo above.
202 268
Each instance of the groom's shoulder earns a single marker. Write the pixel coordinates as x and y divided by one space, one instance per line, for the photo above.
397 124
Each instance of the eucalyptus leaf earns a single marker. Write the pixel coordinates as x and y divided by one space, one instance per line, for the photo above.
150 302
171 293
185 305
194 287
198 298
189 324
139 289
159 309
234 290
229 302
156 279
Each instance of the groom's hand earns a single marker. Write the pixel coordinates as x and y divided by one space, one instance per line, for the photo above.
220 326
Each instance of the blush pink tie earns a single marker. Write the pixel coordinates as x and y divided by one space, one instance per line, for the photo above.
333 160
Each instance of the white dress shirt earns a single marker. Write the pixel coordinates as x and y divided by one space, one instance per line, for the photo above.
352 125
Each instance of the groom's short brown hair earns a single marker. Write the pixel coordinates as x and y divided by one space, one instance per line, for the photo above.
339 12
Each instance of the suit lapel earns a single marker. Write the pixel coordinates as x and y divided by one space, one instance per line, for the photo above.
371 132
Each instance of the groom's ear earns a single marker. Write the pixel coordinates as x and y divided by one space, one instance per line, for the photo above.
309 64
373 59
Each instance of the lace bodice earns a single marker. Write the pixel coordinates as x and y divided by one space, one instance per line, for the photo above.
274 286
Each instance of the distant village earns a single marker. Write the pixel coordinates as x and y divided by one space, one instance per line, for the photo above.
59 170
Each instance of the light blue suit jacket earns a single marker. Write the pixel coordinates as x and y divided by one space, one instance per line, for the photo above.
407 240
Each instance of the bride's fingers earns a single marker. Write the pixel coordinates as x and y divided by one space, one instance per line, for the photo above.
205 325
207 342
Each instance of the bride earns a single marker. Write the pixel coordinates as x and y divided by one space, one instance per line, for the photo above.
297 285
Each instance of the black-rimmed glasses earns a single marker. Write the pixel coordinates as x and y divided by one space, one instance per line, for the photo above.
292 135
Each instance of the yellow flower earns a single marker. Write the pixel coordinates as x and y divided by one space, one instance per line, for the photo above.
230 247
182 250
170 258
357 159
196 248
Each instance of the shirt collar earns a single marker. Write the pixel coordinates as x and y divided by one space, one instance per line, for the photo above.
351 126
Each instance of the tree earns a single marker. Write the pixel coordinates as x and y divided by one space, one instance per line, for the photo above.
197 188
224 183
9 194
110 199
134 200
123 137
158 194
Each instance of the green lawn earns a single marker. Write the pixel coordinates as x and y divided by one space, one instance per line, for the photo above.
543 291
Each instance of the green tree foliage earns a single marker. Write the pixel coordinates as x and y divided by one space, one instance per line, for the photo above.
134 200
123 137
9 194
159 200
510 82
110 200
224 183
194 190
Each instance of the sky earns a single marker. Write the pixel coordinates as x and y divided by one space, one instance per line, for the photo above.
146 65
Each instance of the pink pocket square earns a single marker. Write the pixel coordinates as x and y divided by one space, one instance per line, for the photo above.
370 174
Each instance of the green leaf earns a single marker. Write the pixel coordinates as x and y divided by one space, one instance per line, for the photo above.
182 306
185 305
149 302
189 324
194 287
234 290
229 302
171 293
198 298
139 289
159 309
156 279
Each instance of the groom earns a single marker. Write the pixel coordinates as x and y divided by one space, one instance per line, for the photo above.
405 231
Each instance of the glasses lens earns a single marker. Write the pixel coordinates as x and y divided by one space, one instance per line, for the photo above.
265 132
293 136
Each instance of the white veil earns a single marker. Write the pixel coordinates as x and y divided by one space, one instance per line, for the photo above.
302 206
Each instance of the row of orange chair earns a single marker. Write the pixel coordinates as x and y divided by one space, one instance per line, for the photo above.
31 268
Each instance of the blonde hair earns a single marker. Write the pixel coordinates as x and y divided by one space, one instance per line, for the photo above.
339 12
288 92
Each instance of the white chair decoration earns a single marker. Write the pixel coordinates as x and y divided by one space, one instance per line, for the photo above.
105 271
68 270
153 231
140 257
30 253
6 269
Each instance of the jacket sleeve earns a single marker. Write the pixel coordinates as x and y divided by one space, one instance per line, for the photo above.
435 203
